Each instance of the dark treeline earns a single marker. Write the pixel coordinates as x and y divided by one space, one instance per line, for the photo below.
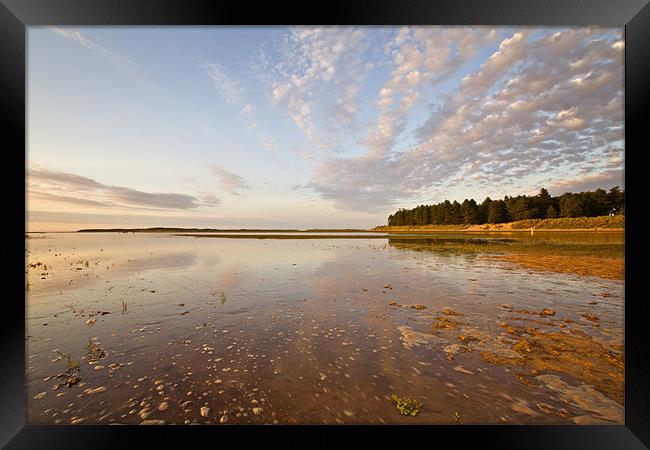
541 206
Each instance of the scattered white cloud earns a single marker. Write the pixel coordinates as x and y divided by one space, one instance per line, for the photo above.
93 44
268 141
538 103
421 56
316 78
587 182
232 93
229 89
246 111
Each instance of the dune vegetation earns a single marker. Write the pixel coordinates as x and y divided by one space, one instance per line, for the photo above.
606 223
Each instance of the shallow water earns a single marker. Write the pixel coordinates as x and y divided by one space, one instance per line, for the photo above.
300 331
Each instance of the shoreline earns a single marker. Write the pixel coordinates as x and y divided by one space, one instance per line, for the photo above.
335 233
286 236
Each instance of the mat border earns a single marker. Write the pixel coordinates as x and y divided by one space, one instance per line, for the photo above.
16 15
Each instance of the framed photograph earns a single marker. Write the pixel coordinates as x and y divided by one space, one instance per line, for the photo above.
379 215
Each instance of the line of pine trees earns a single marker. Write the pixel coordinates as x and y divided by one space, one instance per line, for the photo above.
540 206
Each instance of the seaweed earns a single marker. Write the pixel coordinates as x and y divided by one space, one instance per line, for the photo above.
407 406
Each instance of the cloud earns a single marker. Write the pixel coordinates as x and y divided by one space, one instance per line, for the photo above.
588 182
420 56
246 111
232 93
210 200
229 89
90 43
547 106
268 141
316 78
62 178
317 75
75 189
229 181
68 199
166 201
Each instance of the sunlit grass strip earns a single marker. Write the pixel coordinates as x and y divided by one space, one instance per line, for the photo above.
563 223
572 223
285 236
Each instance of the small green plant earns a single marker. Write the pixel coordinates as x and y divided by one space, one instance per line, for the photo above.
94 349
407 406
222 298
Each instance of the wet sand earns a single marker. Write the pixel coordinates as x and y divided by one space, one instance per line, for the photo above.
178 329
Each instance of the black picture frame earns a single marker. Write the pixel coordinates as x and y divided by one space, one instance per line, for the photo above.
16 15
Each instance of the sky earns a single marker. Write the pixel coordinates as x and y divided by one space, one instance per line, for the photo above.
312 127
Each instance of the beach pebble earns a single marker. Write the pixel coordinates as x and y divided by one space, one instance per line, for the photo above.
40 396
205 411
257 410
163 406
96 390
90 321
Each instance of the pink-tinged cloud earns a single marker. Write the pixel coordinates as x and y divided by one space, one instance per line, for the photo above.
228 181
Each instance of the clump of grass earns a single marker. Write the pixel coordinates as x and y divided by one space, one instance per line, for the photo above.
70 363
407 406
71 374
222 298
94 350
125 307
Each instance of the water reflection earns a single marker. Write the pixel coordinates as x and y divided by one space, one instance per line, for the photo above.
309 331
